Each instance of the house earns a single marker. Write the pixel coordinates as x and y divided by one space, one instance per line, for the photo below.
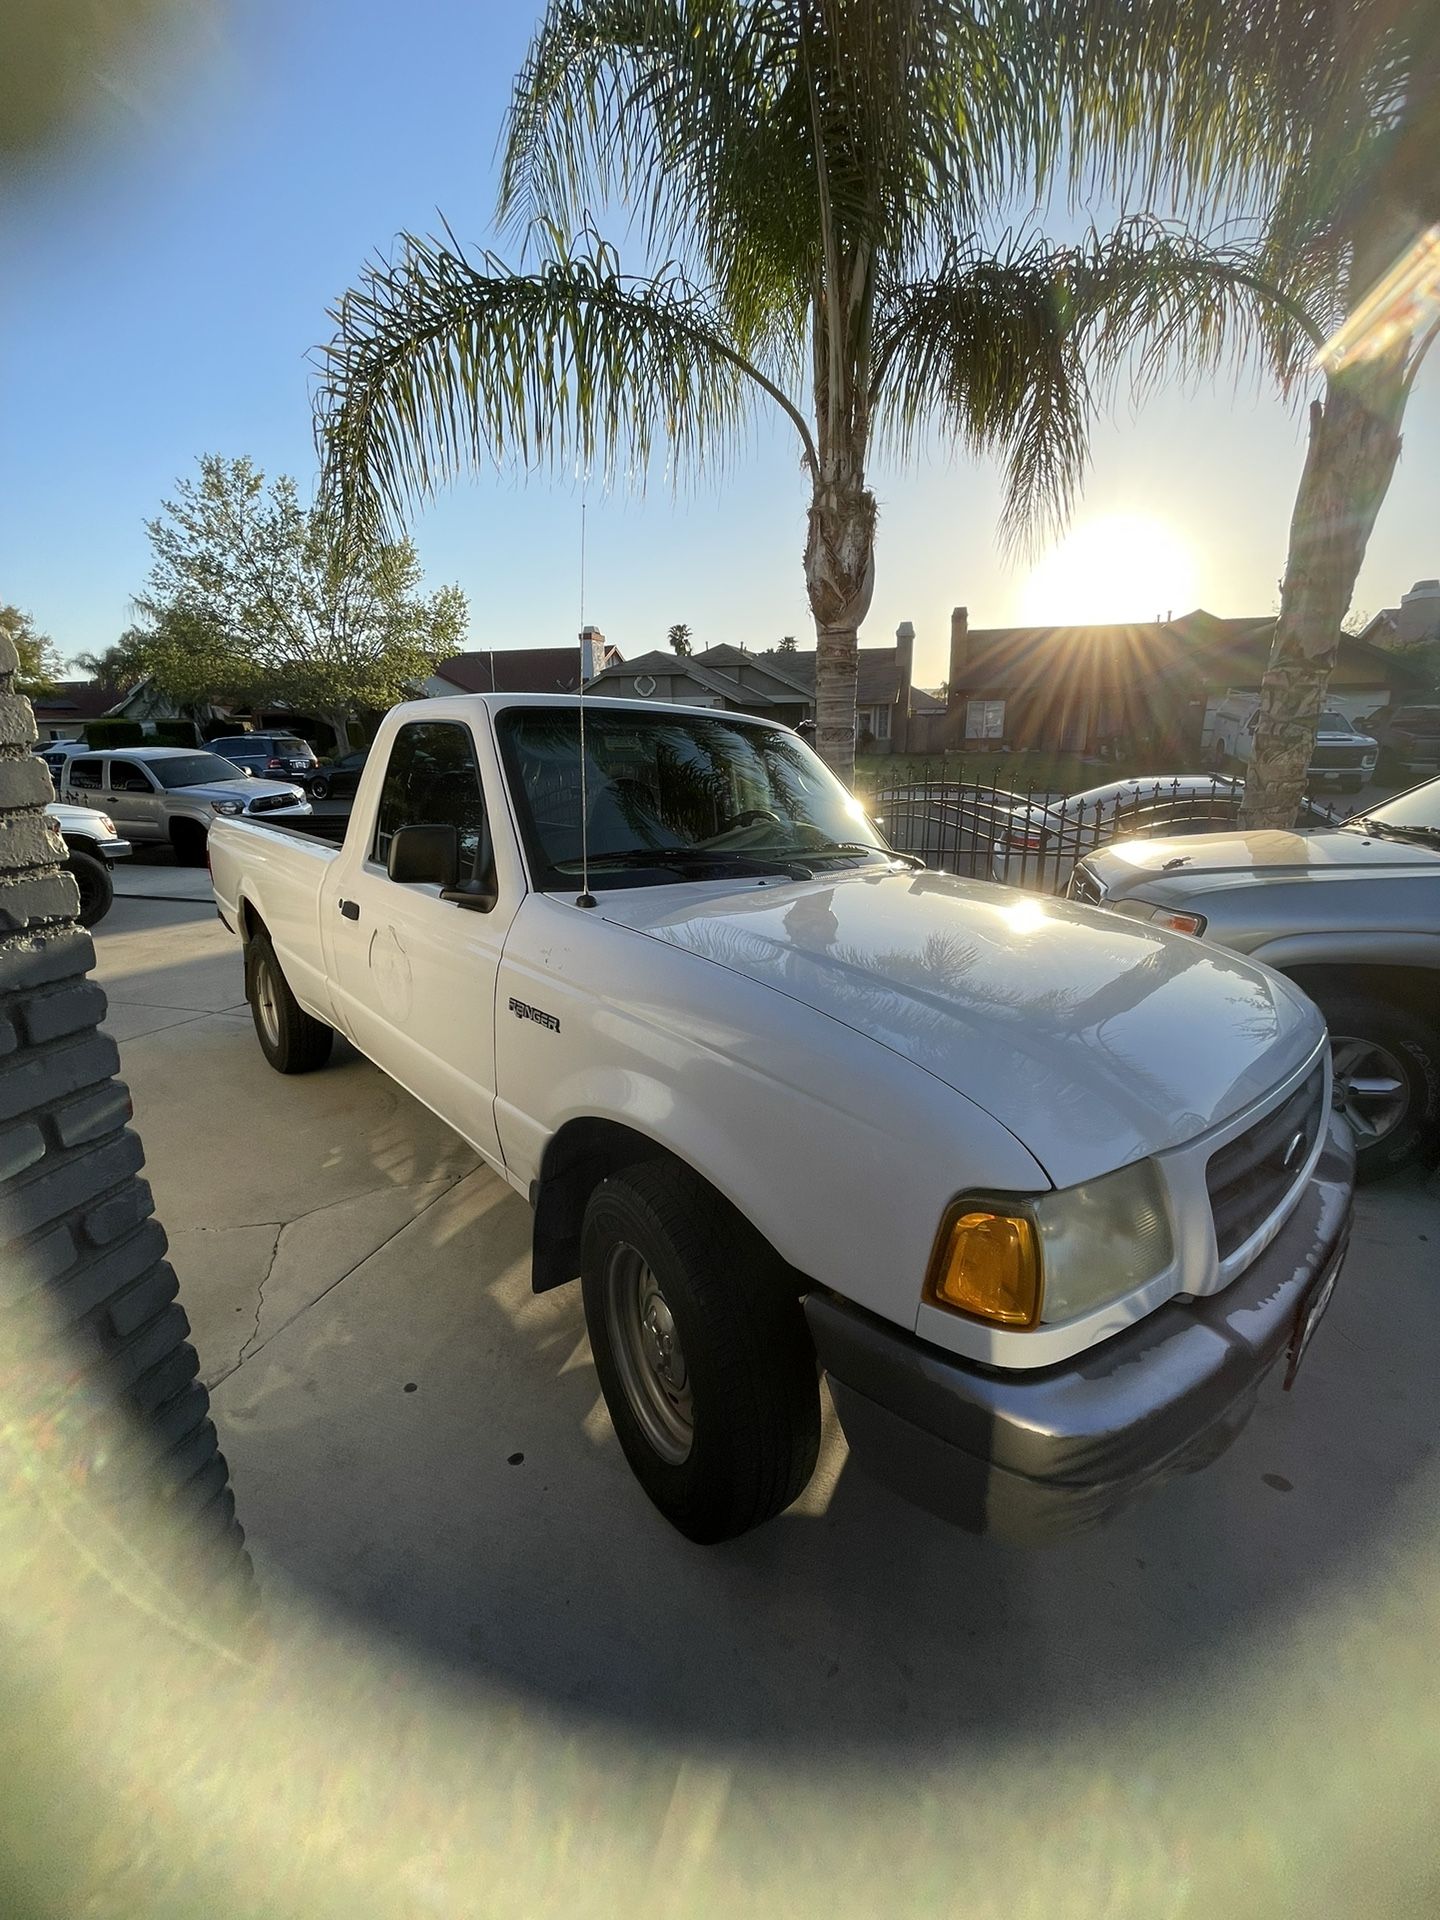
522 669
779 686
63 712
1097 689
1416 618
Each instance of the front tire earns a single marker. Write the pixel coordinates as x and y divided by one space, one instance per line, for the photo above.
1386 1063
97 889
319 787
289 1039
702 1352
191 843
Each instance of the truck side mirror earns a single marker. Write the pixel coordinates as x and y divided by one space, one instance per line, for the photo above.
424 856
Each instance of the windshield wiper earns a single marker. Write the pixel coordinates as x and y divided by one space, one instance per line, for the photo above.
828 848
1387 830
679 859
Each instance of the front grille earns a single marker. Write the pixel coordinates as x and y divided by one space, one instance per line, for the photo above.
267 802
1338 756
1250 1178
1085 887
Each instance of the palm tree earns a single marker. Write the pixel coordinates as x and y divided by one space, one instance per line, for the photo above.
1354 237
821 177
680 637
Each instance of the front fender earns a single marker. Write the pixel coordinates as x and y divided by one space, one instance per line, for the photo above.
1349 946
842 1154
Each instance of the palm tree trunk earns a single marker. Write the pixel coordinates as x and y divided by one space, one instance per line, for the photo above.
1354 444
840 578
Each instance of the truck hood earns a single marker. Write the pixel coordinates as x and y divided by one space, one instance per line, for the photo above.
1212 861
1093 1040
242 790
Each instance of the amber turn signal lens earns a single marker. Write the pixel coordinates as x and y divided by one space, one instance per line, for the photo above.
987 1264
1180 922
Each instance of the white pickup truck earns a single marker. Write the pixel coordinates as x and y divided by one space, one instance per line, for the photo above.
1046 1192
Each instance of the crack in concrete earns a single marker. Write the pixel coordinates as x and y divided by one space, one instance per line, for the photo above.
249 1349
259 1301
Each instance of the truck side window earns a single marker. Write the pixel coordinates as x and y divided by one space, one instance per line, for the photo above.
83 775
126 777
432 780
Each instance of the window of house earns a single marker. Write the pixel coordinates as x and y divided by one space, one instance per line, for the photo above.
984 719
432 781
879 722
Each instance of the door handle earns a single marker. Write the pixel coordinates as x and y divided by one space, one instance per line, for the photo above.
350 909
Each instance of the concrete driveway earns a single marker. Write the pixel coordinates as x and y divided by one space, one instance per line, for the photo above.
417 1443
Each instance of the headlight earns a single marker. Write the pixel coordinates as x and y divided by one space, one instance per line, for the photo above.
1051 1258
1159 916
226 806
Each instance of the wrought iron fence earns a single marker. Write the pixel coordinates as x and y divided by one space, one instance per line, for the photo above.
1033 837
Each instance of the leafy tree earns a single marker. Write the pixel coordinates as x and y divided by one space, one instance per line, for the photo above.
821 176
787 644
1353 236
680 637
253 599
40 663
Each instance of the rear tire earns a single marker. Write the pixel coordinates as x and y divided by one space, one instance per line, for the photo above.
289 1039
1387 1079
702 1352
97 889
319 787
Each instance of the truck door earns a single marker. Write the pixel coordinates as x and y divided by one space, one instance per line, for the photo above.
414 974
133 801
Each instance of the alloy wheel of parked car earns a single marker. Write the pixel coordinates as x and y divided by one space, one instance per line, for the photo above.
289 1039
1386 1067
319 787
649 1354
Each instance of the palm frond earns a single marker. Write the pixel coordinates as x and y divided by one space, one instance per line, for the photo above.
439 364
986 348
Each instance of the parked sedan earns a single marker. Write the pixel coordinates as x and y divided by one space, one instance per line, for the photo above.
340 778
91 847
1041 845
161 796
272 755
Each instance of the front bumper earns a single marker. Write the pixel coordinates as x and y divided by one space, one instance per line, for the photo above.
1037 1456
114 849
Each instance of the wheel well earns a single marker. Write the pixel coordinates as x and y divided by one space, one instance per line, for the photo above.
75 844
1413 988
183 828
581 1155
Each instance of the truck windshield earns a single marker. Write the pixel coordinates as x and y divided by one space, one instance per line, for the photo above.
669 784
195 770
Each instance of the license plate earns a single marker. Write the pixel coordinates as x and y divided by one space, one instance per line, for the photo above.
1312 1312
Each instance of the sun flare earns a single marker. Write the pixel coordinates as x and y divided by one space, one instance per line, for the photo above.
1126 566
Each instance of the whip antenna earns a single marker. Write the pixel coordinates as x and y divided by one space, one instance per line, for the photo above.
585 898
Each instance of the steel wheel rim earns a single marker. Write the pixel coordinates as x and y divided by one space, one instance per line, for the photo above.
1371 1088
648 1355
267 1002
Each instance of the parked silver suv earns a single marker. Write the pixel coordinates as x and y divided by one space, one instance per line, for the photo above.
1350 913
170 795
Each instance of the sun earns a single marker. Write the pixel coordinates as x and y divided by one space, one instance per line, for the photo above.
1125 566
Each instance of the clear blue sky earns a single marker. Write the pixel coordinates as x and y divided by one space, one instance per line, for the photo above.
164 283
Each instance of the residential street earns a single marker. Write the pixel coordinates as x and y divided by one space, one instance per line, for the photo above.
418 1441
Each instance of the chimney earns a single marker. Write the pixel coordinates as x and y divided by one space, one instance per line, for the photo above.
959 656
904 680
592 653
